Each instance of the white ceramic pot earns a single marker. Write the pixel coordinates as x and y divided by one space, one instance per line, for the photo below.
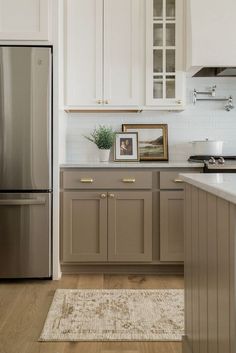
207 148
104 155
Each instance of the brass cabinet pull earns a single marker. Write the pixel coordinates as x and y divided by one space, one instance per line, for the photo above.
106 101
99 101
103 196
178 181
179 101
129 180
86 180
112 196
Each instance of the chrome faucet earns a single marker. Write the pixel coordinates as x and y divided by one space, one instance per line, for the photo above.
229 106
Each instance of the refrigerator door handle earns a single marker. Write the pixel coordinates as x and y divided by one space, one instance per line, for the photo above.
23 202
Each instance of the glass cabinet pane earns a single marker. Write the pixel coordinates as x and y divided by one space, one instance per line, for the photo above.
170 87
170 60
170 34
158 88
157 61
158 8
157 35
163 24
170 8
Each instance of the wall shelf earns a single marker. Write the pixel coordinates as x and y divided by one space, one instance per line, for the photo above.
69 109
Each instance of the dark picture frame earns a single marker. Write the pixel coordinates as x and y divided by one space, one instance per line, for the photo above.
126 147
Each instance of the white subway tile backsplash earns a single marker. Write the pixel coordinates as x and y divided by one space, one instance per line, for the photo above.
203 120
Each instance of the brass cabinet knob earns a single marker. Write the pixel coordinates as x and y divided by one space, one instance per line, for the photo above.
112 196
99 101
103 196
106 101
179 101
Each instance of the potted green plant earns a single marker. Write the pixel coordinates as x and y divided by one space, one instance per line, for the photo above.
103 137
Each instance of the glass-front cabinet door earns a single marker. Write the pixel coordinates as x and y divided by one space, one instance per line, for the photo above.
165 86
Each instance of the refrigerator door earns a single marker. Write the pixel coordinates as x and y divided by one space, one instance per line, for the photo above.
25 118
25 235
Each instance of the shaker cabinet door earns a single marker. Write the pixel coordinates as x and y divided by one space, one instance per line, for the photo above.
24 19
172 225
130 226
84 226
83 47
122 52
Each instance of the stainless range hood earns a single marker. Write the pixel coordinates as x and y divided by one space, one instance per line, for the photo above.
216 72
210 31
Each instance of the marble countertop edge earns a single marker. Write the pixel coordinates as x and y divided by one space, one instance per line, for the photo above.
222 185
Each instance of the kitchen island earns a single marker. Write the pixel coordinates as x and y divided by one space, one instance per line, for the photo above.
210 231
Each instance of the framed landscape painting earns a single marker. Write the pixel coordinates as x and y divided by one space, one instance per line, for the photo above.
153 140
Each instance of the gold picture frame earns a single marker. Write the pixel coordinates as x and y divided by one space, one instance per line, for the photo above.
126 147
153 140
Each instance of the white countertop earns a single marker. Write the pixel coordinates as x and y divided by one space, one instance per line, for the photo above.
171 164
221 185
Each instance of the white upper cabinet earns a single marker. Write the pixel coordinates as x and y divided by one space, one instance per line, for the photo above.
102 53
165 78
24 19
83 52
121 52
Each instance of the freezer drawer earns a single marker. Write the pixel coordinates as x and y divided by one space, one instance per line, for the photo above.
25 235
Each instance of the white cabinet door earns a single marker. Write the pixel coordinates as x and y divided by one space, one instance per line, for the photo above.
122 52
83 52
164 54
24 19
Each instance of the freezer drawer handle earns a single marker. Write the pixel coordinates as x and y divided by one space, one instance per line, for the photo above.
23 202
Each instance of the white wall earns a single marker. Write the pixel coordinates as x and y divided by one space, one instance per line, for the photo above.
205 119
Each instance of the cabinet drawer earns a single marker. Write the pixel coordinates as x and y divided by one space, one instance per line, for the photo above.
107 180
171 180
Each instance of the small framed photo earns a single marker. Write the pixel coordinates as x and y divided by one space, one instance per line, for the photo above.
126 147
153 140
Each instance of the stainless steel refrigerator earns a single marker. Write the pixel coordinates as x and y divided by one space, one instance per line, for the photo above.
25 161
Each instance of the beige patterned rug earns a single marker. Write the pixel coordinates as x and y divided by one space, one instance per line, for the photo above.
115 315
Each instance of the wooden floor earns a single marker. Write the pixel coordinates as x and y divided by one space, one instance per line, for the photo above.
24 307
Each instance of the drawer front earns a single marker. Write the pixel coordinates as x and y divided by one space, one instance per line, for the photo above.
172 180
107 180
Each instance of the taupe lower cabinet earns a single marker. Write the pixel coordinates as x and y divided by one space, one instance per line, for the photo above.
100 226
171 217
130 226
172 225
122 216
84 226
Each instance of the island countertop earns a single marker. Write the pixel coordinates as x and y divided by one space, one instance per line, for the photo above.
221 185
